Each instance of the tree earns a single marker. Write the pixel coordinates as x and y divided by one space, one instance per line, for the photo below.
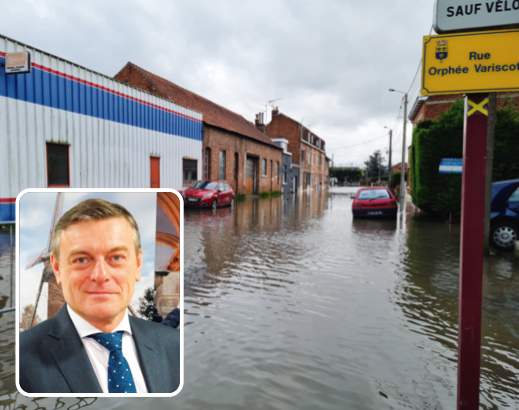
348 174
26 318
375 166
146 304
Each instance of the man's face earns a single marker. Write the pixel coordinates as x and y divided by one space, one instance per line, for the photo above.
97 269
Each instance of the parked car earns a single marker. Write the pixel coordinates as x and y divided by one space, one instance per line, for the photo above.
374 202
208 194
504 214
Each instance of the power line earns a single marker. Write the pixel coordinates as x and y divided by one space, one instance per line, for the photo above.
362 143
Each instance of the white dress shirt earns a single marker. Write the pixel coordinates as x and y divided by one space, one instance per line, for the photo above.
99 355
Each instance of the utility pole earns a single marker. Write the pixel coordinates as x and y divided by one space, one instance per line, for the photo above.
379 164
389 166
402 175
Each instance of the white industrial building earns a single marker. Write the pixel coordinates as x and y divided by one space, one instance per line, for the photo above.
63 125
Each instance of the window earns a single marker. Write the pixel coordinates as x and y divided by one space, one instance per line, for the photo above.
205 185
189 170
221 170
207 165
302 155
277 170
236 163
285 171
308 179
515 196
374 194
57 165
264 167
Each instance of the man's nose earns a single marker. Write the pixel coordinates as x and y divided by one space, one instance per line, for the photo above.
100 271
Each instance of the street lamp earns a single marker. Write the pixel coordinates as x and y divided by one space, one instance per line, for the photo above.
402 180
389 165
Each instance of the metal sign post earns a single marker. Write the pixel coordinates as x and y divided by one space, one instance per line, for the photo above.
471 252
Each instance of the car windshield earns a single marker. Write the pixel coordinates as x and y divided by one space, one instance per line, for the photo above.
205 185
374 194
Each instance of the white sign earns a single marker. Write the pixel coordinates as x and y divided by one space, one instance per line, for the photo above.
18 63
461 15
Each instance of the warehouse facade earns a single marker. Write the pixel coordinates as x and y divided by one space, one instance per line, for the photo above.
63 125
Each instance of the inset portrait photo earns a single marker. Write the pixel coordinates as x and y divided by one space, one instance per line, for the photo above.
99 293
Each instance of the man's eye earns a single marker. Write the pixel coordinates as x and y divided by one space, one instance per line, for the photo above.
81 260
117 258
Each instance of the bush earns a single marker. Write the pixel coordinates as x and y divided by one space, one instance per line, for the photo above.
270 194
395 178
440 194
240 197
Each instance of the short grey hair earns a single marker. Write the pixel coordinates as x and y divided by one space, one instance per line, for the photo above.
94 210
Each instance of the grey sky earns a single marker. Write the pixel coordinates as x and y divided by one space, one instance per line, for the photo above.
331 61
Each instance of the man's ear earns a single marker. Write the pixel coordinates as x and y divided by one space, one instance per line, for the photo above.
55 266
139 266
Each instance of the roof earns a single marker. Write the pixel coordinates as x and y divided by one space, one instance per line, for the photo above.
306 132
416 107
213 114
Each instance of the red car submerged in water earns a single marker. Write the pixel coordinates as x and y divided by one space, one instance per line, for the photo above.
374 202
208 194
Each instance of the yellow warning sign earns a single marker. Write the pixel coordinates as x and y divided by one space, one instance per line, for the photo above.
470 62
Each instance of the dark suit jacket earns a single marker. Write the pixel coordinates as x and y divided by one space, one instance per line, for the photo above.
54 360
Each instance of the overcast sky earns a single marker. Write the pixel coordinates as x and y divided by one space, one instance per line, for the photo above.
332 62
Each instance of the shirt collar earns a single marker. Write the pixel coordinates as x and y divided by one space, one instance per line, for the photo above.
85 329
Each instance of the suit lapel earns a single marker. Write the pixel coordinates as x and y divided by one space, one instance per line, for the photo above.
70 355
150 359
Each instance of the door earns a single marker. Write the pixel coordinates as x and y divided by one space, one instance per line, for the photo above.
250 177
154 172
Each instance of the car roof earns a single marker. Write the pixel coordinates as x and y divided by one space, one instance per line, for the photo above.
373 187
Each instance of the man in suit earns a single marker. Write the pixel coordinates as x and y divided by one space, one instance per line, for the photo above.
92 345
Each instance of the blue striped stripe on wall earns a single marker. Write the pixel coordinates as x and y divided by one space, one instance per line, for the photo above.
51 90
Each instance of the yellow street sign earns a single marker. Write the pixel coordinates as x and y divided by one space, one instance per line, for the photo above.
470 62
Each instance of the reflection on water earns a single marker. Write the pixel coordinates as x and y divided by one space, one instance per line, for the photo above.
290 303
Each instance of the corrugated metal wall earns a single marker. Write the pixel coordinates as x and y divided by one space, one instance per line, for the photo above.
112 129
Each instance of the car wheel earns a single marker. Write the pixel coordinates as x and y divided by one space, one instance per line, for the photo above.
503 235
232 203
214 205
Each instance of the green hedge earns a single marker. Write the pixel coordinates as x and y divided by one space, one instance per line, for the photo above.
395 179
440 194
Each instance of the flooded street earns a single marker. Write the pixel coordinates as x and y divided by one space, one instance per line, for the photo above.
290 303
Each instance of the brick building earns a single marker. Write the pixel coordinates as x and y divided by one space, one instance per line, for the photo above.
233 149
308 150
430 107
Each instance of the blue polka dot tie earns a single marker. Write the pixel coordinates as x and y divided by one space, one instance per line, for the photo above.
120 378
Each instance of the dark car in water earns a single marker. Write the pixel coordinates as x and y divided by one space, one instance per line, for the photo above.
208 194
504 214
374 202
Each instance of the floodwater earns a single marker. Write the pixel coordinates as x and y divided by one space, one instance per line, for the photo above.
290 303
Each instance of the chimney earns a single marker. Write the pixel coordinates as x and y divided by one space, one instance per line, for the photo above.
276 111
260 123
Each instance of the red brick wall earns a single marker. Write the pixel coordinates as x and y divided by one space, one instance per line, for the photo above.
436 104
282 126
218 140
